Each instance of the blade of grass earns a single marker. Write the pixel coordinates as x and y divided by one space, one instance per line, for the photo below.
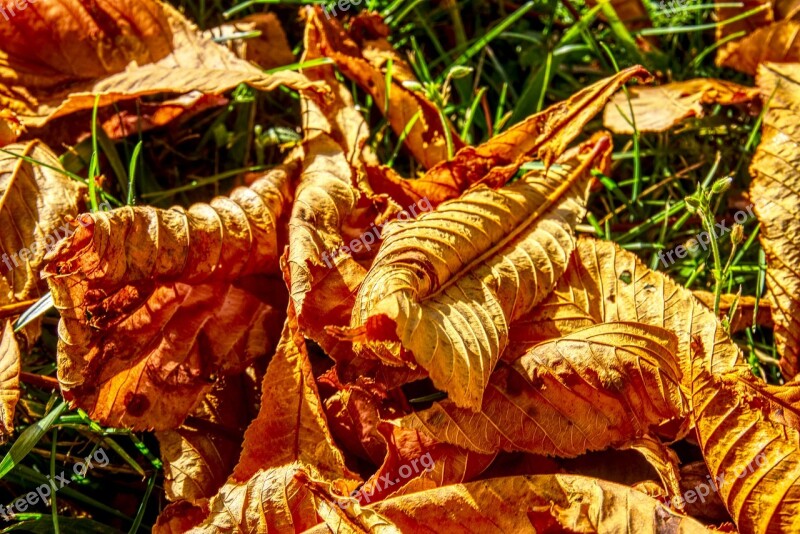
28 439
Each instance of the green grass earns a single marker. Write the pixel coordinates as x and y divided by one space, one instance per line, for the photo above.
522 57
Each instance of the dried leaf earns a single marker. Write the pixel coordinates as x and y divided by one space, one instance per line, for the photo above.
752 456
267 491
9 380
544 136
540 503
726 11
291 425
10 127
595 388
117 49
360 63
334 209
273 500
36 204
612 284
657 109
199 456
444 288
154 303
770 35
662 459
775 191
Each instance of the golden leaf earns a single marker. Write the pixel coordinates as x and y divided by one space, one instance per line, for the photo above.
540 503
444 288
273 500
9 380
267 490
37 204
657 109
612 284
775 191
154 303
770 34
751 453
118 49
270 49
199 456
595 388
544 136
291 424
361 63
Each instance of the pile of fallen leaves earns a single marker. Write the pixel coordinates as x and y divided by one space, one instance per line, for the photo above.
433 353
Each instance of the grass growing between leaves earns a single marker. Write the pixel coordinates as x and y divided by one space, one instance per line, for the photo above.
485 65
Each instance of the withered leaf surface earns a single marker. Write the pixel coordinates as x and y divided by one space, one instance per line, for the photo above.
540 503
9 380
291 424
36 205
444 288
199 456
657 109
154 303
273 500
775 191
118 49
752 454
288 437
598 387
612 284
425 139
268 50
544 136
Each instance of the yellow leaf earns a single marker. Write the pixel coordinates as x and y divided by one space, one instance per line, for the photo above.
37 204
595 388
657 109
444 288
775 191
540 503
751 452
9 380
118 49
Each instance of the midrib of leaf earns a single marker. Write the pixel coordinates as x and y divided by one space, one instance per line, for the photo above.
534 217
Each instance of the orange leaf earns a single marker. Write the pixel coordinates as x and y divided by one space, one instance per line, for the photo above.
544 135
291 425
199 456
154 303
598 387
364 63
118 49
444 288
657 109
